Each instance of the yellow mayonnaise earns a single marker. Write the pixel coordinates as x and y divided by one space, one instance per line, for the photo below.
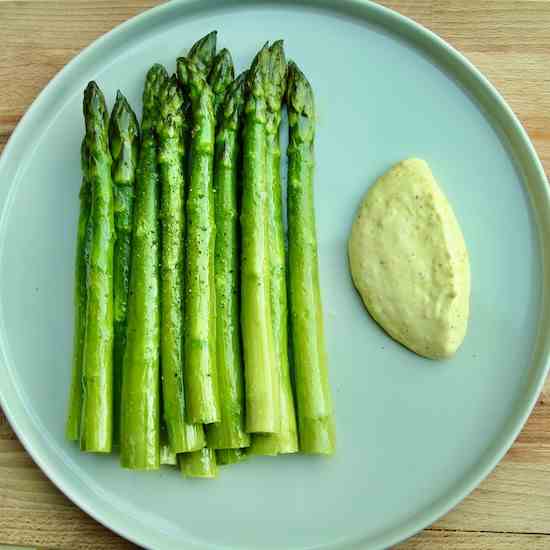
409 261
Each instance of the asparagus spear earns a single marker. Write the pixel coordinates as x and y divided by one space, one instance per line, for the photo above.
230 456
182 436
139 437
202 55
124 143
221 75
315 415
261 376
230 431
200 376
286 441
199 464
96 427
72 428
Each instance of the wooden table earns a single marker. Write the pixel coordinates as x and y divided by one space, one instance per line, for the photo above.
509 40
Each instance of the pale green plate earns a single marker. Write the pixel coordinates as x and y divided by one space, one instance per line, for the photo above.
414 436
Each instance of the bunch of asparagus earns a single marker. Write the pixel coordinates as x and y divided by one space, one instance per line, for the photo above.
198 334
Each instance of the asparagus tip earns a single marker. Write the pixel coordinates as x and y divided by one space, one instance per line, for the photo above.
95 107
170 97
224 54
121 104
93 97
123 122
258 71
234 97
222 72
278 45
154 81
299 91
276 81
204 50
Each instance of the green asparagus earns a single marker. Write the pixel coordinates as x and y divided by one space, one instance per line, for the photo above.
124 142
72 428
199 464
261 375
315 414
188 294
230 432
96 428
286 441
139 437
200 376
183 437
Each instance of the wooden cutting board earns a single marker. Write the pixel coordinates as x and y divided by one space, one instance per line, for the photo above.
509 40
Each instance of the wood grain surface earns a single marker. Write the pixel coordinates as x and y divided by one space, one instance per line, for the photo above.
509 40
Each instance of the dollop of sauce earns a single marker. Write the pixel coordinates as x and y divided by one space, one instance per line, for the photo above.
409 261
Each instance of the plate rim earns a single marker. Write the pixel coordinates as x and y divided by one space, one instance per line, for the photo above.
520 147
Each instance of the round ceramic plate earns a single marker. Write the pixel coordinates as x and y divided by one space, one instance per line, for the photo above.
414 436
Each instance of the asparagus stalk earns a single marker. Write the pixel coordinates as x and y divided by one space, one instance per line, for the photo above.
230 456
230 432
202 55
261 375
200 376
183 437
315 414
199 464
139 438
72 428
96 429
124 143
286 441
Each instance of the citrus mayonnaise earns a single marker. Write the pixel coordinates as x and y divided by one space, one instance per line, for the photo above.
409 261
